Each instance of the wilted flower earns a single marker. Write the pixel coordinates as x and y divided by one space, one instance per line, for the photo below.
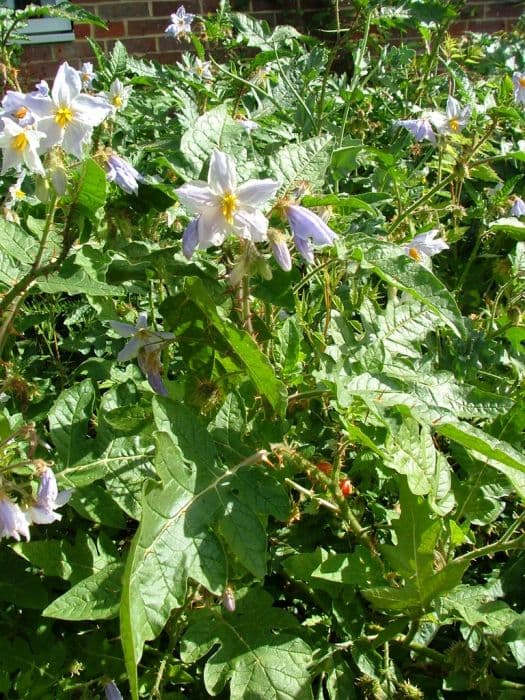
519 87
48 499
228 599
42 89
112 691
20 145
308 228
420 129
190 238
202 69
146 345
123 174
180 25
12 520
87 75
518 208
16 194
425 245
280 249
454 120
225 208
118 95
67 117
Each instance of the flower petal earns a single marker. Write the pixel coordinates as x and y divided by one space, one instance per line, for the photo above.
212 227
222 176
190 238
256 192
196 196
250 223
125 330
305 224
66 86
91 110
130 350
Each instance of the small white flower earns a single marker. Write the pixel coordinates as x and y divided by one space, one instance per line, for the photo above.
20 145
202 69
67 117
87 75
16 194
225 208
12 520
180 25
425 245
118 95
248 124
519 87
48 499
454 120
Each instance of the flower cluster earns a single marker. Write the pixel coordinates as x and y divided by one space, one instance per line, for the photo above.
33 124
180 26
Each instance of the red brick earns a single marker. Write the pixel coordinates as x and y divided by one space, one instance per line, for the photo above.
37 52
164 8
146 27
123 10
458 28
76 52
170 57
486 26
504 9
169 43
114 30
82 30
142 47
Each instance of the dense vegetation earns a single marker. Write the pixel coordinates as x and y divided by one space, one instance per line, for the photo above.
262 436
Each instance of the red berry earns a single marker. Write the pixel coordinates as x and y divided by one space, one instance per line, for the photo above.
346 487
324 467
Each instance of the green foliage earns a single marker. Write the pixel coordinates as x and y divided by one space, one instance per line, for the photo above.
284 484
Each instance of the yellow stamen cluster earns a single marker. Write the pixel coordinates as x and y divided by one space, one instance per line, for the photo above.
229 206
63 116
521 82
20 142
414 254
454 125
20 113
117 101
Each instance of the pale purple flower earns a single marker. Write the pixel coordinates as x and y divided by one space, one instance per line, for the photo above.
420 129
112 691
180 25
248 124
308 228
425 245
123 174
228 599
190 238
519 87
146 345
13 523
48 499
224 207
518 208
14 107
454 120
68 117
280 249
42 89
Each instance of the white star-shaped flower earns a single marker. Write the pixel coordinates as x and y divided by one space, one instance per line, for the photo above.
454 120
67 117
19 146
425 245
225 208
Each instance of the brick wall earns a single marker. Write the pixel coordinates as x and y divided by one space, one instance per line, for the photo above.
140 25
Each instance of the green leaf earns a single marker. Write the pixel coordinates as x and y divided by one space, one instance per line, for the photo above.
68 422
360 568
242 344
90 193
176 538
96 503
94 598
511 225
73 279
302 161
16 243
17 585
394 267
214 129
255 666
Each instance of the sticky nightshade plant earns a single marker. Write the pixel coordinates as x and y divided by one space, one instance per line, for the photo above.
454 120
307 228
67 117
123 174
48 499
421 129
180 25
225 208
146 345
425 245
13 522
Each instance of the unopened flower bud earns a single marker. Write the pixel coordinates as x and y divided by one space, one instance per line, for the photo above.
228 599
